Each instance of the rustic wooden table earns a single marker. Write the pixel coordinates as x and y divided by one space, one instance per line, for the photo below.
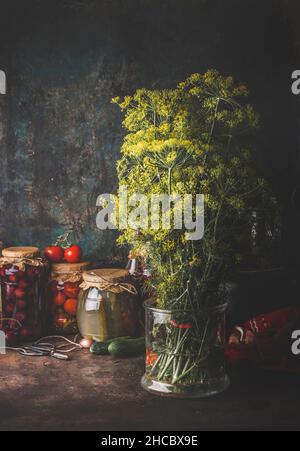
98 393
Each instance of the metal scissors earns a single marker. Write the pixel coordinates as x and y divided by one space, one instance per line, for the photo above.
41 350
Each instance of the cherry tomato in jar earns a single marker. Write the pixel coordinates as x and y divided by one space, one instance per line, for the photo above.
13 278
59 298
73 254
19 293
16 277
23 284
70 307
54 254
22 290
71 289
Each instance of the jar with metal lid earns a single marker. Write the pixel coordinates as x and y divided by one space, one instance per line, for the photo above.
23 277
107 305
62 294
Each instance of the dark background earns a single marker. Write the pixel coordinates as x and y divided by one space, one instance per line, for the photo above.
59 134
59 140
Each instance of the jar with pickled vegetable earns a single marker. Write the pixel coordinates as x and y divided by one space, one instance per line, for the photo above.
23 277
63 290
107 305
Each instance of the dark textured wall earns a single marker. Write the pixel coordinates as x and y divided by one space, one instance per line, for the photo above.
60 136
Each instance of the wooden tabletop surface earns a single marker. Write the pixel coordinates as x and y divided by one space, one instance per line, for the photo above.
99 393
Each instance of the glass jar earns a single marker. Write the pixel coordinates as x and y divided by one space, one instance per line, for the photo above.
107 305
62 294
138 270
260 242
185 352
23 276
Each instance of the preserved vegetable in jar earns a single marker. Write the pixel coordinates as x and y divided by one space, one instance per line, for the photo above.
107 305
62 294
23 276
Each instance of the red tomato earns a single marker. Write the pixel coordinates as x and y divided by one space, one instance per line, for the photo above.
17 276
71 289
73 254
19 294
13 278
54 254
23 284
71 307
59 298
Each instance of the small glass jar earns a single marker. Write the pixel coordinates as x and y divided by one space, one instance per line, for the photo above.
107 305
62 294
23 276
138 270
185 352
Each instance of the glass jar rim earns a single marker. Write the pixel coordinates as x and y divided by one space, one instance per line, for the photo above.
219 308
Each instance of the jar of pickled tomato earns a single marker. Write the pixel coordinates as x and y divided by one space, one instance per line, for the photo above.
23 278
63 290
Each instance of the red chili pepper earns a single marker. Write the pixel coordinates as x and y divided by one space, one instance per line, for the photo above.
181 325
151 357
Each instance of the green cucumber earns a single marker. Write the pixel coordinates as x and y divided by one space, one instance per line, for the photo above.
127 348
101 347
